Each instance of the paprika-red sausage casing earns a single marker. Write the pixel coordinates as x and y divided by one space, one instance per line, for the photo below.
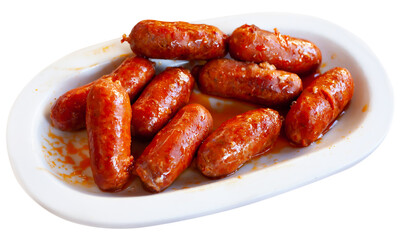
237 140
318 106
250 43
161 99
173 148
177 40
108 118
256 83
69 111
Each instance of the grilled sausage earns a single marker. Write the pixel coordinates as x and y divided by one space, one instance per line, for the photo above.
162 98
250 43
108 118
318 106
69 111
237 140
176 40
173 148
260 84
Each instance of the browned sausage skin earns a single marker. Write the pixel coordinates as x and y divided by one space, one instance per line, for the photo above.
256 83
176 40
250 43
134 73
238 140
69 111
318 106
173 148
108 118
163 97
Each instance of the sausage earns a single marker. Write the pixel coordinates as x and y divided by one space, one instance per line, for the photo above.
237 140
256 83
250 43
108 118
69 111
173 148
318 106
134 73
162 98
176 40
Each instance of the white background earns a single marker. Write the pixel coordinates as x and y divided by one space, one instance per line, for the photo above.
363 202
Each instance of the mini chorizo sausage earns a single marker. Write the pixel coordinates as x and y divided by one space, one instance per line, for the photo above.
69 111
173 148
237 140
108 118
162 98
318 106
256 83
176 40
250 43
134 74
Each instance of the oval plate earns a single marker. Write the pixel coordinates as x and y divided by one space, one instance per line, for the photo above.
38 152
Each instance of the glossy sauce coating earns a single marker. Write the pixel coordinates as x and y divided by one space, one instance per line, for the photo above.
173 148
162 98
255 83
108 118
250 43
237 140
69 111
318 106
177 40
134 73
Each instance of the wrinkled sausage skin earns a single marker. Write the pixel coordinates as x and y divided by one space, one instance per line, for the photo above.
173 148
69 111
256 83
162 98
318 106
177 40
250 43
108 118
237 140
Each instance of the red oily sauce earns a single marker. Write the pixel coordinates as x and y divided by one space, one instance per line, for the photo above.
221 109
68 157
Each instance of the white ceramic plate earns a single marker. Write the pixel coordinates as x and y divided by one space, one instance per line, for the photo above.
38 152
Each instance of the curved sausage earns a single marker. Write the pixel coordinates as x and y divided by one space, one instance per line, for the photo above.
237 140
134 73
256 83
173 148
162 98
69 111
318 106
250 43
176 40
108 118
